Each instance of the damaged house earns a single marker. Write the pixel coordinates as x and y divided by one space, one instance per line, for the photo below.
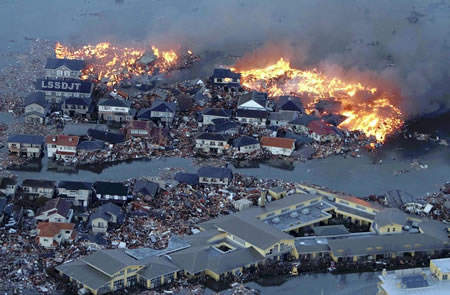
111 191
8 186
321 131
55 210
225 77
136 128
36 108
246 144
210 114
77 192
211 143
53 234
278 145
35 188
215 175
24 145
290 104
253 101
105 216
253 117
77 107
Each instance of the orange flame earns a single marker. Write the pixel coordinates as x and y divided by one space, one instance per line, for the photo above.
377 116
113 63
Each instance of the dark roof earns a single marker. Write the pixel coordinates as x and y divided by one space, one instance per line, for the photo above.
98 238
303 120
329 106
25 138
106 136
217 112
4 181
212 136
163 106
62 206
72 64
221 125
49 84
330 230
398 198
259 97
321 128
144 114
93 145
38 183
390 216
106 210
3 203
251 114
77 101
289 103
113 102
334 119
37 98
244 140
414 281
147 188
215 172
184 103
188 178
225 73
75 185
286 116
110 188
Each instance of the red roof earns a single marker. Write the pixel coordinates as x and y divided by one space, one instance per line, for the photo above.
51 229
286 143
65 153
320 127
64 140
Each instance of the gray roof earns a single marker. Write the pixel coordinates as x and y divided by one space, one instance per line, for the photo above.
105 211
390 216
258 97
158 266
215 172
286 116
163 106
303 120
251 114
37 98
25 138
289 103
212 136
84 273
146 187
62 206
72 64
217 112
38 183
113 102
92 145
110 261
330 230
244 141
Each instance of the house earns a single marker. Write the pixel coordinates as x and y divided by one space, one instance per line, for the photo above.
210 114
321 131
137 128
106 137
215 175
300 124
246 144
253 101
56 90
115 110
211 143
225 77
24 145
64 68
79 193
146 188
77 106
52 234
225 127
289 103
163 111
111 191
61 146
90 146
186 178
35 188
3 203
159 136
252 117
278 145
36 108
55 210
184 103
105 216
328 106
282 119
8 186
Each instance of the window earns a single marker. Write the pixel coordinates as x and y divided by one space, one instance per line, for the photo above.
169 278
393 229
118 284
67 231
156 282
389 230
131 281
59 73
445 277
67 73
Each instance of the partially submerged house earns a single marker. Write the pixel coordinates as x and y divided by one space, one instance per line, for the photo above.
211 143
278 145
24 145
115 110
77 192
215 175
111 191
36 108
35 188
246 144
56 90
61 146
105 216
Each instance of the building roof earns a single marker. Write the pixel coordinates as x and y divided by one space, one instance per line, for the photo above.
225 73
72 64
81 101
215 172
58 85
105 211
320 127
26 138
443 264
303 120
91 145
163 106
330 230
3 202
259 114
113 102
51 229
286 116
280 142
259 97
217 112
222 125
75 185
158 266
64 140
328 106
61 206
188 178
38 183
137 124
4 181
244 141
390 216
36 98
105 136
212 136
145 187
144 113
110 261
110 188
80 271
334 119
289 103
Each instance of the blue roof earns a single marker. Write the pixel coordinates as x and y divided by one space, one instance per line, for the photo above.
72 64
144 114
289 103
75 185
251 114
163 106
215 172
63 85
106 136
93 145
225 73
188 178
217 112
414 281
25 138
78 101
146 187
37 98
212 136
244 141
221 125
113 102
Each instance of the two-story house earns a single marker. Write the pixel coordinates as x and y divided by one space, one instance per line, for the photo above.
61 146
225 77
253 100
300 124
282 119
321 131
211 143
35 188
55 210
77 106
210 114
111 191
104 216
56 90
36 108
115 110
24 145
246 144
289 103
8 186
253 117
79 193
52 234
215 175
64 68
160 111
278 145
136 128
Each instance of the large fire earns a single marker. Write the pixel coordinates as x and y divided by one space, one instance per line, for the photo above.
365 108
113 63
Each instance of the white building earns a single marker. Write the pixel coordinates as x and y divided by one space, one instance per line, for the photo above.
253 101
79 193
211 143
64 68
55 210
52 234
210 114
116 110
61 146
278 145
